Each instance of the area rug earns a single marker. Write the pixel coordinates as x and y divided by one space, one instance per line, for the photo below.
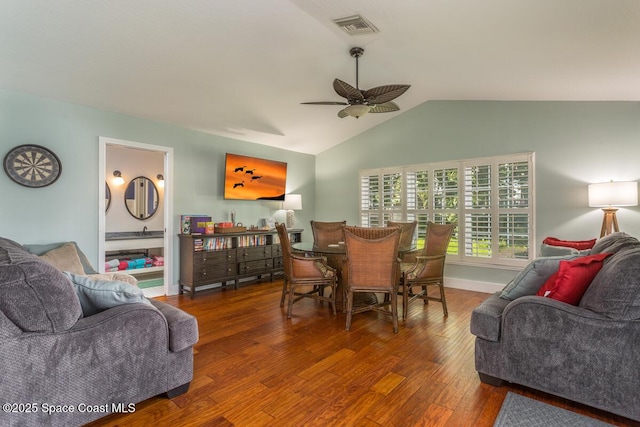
519 411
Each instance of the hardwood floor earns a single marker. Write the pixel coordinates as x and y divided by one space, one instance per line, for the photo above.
253 367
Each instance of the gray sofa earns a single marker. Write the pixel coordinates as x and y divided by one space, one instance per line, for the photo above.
61 367
589 353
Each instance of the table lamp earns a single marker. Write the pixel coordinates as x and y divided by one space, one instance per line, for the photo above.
292 202
609 194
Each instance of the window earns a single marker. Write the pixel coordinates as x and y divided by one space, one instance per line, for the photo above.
491 199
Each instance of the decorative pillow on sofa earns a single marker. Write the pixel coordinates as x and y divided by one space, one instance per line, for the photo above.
41 249
65 258
550 250
572 279
615 291
98 295
119 277
580 245
529 280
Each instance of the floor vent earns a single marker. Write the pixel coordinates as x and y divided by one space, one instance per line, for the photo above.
355 24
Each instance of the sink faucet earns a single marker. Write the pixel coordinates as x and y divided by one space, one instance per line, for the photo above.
144 230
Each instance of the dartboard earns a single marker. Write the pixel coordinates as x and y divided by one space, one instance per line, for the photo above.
32 165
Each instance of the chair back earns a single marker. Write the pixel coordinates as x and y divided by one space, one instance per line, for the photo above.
285 245
326 233
370 232
407 232
436 243
372 262
437 238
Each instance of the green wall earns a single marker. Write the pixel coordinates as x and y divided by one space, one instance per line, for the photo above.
576 143
68 209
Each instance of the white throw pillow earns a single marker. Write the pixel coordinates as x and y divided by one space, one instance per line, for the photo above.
98 295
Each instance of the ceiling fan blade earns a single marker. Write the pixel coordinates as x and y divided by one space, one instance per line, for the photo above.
386 107
342 114
345 90
325 103
382 94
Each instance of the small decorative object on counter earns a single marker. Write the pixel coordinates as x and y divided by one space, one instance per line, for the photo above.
185 224
210 228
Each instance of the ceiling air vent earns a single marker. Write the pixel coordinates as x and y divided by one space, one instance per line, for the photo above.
355 24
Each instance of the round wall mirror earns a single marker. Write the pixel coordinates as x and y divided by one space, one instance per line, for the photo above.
107 197
141 198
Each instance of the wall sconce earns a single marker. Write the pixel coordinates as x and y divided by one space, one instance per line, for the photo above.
118 180
609 194
160 180
292 202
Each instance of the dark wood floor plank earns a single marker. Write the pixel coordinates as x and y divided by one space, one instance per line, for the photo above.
255 367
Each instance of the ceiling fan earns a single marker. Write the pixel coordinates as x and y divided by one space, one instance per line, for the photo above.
360 102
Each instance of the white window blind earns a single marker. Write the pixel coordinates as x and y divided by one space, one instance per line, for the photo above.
491 199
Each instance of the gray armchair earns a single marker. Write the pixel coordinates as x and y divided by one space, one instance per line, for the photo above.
51 354
588 353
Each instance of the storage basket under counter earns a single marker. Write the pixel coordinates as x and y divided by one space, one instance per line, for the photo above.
209 261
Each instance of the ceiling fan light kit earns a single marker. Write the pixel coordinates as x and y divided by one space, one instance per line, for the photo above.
359 102
356 111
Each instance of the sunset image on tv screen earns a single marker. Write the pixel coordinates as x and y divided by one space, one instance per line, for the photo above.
249 178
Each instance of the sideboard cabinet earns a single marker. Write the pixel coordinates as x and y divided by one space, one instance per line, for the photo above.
209 259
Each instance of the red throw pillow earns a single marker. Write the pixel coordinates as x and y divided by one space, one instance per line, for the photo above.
572 279
576 244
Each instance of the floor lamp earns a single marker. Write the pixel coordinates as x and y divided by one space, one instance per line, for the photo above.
609 194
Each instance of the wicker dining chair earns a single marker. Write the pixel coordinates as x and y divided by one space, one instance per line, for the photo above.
372 266
327 233
428 268
311 273
407 232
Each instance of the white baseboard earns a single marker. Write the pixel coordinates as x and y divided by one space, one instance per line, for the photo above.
472 285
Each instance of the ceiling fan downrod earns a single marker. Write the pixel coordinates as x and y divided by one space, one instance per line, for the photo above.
356 52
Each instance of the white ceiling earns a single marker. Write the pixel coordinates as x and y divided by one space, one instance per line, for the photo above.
241 68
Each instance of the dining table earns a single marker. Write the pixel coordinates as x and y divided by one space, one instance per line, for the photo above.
335 254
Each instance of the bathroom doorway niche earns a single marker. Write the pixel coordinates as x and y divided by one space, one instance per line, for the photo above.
134 160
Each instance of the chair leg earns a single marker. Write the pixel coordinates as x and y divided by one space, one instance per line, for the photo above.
333 297
284 291
349 310
291 297
345 297
405 299
444 301
394 310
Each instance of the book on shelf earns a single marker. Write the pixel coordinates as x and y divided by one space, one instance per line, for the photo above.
252 240
218 243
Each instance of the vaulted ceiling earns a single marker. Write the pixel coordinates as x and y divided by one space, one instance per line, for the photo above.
241 68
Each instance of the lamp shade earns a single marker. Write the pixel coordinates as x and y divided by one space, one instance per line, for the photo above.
118 179
292 202
613 194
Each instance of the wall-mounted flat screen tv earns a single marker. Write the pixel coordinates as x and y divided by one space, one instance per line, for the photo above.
250 178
